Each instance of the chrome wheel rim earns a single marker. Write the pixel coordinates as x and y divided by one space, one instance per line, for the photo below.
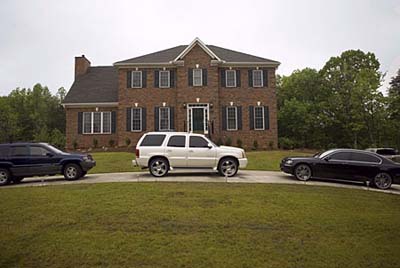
383 181
159 168
71 172
3 177
228 168
303 172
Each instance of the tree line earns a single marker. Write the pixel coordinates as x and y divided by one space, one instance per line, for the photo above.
33 115
339 105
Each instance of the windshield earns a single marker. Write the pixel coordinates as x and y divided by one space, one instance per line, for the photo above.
54 149
322 155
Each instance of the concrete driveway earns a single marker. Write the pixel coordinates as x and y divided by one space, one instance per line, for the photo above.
243 176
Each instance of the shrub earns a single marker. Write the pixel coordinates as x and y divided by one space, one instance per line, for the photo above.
75 144
111 143
271 145
228 141
286 143
57 138
128 141
219 142
239 143
95 143
255 145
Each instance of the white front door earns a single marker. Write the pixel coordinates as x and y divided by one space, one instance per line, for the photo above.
197 117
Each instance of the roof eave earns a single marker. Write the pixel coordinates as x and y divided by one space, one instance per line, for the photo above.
249 64
202 45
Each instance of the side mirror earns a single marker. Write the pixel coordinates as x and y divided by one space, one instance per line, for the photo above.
327 158
49 155
209 146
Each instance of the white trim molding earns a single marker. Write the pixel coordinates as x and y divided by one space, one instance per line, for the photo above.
197 41
93 104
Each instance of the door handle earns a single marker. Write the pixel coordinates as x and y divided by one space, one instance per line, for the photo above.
169 151
191 151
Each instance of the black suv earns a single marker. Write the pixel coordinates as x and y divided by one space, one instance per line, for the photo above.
19 160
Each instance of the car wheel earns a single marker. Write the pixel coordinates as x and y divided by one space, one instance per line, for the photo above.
159 167
17 179
72 172
5 176
382 181
228 167
302 172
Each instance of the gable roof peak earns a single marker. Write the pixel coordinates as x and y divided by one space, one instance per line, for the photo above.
195 42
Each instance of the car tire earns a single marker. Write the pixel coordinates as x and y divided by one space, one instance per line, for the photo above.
382 181
159 167
72 172
228 167
17 179
302 172
5 176
84 173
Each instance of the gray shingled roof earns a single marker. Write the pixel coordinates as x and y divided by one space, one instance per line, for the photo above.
170 54
99 84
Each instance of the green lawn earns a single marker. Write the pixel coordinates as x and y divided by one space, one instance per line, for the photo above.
122 162
198 225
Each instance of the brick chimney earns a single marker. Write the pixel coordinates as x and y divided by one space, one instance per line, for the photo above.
81 65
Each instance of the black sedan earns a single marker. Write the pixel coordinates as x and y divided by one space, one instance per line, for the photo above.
345 164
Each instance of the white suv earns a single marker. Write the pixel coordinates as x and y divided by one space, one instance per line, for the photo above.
164 151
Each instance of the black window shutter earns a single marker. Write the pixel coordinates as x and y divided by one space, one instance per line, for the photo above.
190 77
265 78
238 82
128 119
156 118
239 117
144 78
251 117
156 78
113 121
128 79
144 119
171 118
223 113
223 82
205 76
250 78
266 117
172 78
80 122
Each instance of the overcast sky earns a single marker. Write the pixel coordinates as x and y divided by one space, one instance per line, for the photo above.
39 39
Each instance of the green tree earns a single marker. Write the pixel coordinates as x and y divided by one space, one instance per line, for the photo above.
353 79
394 109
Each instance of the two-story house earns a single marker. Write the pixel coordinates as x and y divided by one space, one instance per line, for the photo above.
229 95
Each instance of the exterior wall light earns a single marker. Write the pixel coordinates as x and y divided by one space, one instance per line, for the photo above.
136 104
197 99
197 66
163 104
258 103
231 103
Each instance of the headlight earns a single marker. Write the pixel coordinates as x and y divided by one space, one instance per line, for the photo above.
289 161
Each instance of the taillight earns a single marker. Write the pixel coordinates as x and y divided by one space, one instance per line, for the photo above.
137 153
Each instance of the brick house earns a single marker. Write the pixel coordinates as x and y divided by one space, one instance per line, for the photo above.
226 94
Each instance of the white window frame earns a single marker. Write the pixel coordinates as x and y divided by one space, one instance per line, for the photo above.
92 123
159 119
226 78
263 119
141 120
227 118
201 78
141 79
169 79
262 78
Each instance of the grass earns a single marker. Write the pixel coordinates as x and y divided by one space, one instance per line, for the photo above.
198 225
122 162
